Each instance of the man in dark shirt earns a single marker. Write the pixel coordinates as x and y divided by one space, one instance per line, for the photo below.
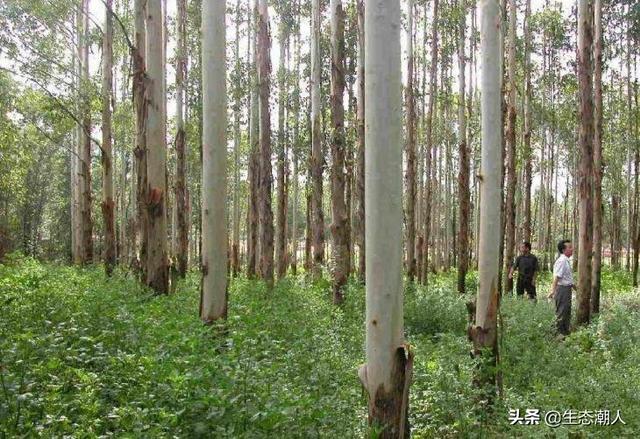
527 266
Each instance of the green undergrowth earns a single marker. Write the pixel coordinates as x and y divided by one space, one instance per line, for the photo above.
86 356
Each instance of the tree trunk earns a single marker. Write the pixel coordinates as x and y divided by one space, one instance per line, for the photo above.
264 84
597 163
484 330
281 212
213 299
156 196
317 159
108 205
585 174
510 204
431 110
360 210
254 163
528 171
340 225
410 215
140 84
295 153
182 250
387 373
463 156
86 225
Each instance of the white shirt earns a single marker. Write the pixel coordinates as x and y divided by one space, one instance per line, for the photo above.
562 270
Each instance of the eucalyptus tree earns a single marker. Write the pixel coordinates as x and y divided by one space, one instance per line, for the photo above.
108 205
181 205
484 329
387 373
410 151
317 158
264 87
213 300
510 202
597 162
585 170
340 224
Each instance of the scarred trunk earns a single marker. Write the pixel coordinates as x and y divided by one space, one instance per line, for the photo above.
387 373
156 196
108 205
483 331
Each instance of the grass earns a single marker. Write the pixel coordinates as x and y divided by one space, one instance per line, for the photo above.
84 356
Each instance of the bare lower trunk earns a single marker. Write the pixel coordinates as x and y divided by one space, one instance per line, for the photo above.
254 163
528 171
281 196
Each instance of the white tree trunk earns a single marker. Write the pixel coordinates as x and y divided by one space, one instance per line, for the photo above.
213 304
385 350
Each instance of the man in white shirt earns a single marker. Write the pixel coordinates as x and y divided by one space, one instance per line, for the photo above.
562 286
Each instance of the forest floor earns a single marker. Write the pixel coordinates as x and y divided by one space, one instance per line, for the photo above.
86 356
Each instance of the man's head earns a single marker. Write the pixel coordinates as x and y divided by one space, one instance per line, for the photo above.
565 247
525 247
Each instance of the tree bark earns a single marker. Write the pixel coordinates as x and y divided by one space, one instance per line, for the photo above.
387 373
585 172
156 196
528 171
213 299
86 224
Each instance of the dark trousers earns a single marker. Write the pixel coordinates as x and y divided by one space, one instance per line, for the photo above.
527 285
563 308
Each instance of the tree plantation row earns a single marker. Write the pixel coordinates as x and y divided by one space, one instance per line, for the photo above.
381 141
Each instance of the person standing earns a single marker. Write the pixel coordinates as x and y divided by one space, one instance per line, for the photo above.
526 264
562 286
